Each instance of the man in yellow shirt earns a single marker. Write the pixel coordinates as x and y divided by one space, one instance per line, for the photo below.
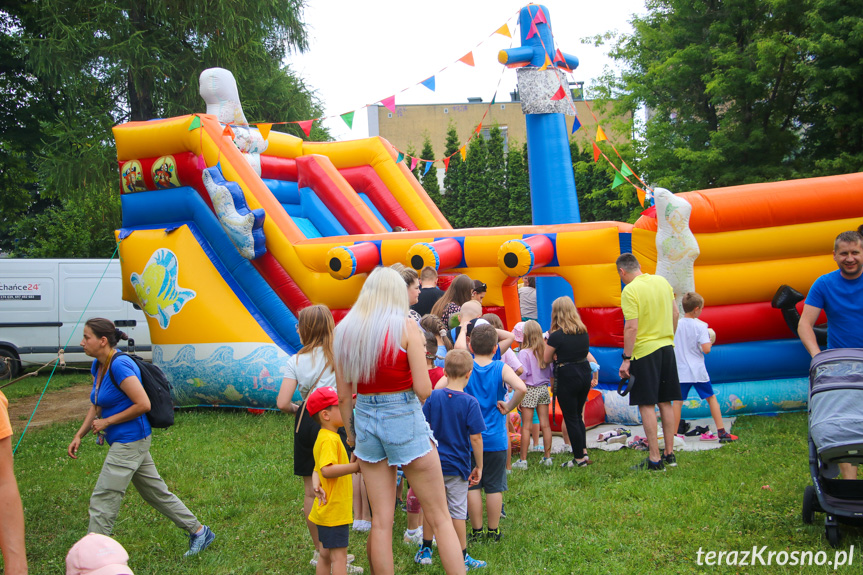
332 510
650 315
11 511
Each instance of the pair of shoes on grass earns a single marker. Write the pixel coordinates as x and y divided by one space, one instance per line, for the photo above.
360 525
520 464
648 465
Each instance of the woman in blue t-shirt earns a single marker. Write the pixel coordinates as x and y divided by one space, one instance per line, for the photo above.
118 415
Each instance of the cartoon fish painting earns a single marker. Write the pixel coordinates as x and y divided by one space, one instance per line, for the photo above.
159 295
736 402
692 403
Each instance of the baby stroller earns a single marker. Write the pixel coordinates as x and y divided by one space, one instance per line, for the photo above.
835 436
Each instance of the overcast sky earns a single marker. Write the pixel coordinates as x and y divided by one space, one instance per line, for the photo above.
362 51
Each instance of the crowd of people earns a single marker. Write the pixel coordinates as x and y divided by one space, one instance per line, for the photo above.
416 382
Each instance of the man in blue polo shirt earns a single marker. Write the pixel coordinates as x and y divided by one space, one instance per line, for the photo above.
840 295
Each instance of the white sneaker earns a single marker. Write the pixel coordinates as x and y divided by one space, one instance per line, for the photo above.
567 448
520 464
354 568
314 561
546 461
414 539
360 525
537 447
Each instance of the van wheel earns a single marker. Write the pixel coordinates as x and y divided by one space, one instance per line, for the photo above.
9 364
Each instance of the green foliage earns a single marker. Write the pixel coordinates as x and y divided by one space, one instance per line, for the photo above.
518 185
453 180
496 194
429 180
475 205
597 201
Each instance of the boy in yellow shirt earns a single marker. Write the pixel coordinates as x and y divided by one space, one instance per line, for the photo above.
332 510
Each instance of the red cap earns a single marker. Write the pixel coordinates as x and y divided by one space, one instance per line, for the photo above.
321 398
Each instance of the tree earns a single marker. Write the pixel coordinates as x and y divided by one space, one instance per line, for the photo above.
497 195
429 179
476 208
453 180
724 87
518 185
597 201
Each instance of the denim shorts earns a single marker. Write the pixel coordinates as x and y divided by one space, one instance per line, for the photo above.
391 427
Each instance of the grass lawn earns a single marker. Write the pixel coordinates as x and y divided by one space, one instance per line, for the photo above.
234 470
34 385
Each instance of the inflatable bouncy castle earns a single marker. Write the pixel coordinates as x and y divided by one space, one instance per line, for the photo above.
229 230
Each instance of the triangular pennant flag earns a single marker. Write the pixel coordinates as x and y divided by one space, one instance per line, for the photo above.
503 31
390 103
414 162
493 98
641 195
202 165
545 64
428 83
600 134
559 95
306 125
540 17
349 119
228 132
400 158
446 164
428 167
196 123
576 124
478 128
561 61
624 169
532 31
618 179
264 129
467 59
463 152
596 152
649 212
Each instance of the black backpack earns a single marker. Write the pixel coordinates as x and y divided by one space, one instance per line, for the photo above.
158 389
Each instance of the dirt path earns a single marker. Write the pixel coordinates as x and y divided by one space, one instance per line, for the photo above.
67 404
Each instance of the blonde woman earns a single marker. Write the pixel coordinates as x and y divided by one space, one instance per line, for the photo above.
569 346
381 352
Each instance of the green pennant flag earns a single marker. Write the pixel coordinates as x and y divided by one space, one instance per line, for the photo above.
196 123
624 169
400 158
349 119
618 179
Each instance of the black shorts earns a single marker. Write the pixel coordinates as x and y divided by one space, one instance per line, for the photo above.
493 472
655 377
334 537
304 442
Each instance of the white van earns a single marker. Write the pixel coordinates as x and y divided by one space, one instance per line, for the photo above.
44 304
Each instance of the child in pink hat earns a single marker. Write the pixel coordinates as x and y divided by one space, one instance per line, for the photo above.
97 554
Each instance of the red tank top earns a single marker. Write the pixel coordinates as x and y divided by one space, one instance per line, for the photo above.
390 376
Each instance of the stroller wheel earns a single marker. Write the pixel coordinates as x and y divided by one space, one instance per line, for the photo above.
833 535
808 505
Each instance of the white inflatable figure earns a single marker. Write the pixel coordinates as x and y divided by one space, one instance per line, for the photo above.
219 91
239 227
676 247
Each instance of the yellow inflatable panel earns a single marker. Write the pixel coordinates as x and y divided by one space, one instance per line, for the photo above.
599 246
596 285
199 307
644 248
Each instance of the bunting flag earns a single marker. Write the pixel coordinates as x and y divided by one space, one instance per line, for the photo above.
306 125
349 119
228 132
641 194
428 167
390 103
649 212
196 123
561 61
546 63
503 31
463 152
560 94
532 31
467 59
400 158
414 162
540 17
478 128
446 164
596 152
264 129
202 165
428 83
575 125
624 169
618 179
600 134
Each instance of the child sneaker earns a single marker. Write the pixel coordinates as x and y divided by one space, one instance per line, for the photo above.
423 556
354 569
414 538
648 465
709 437
546 461
493 535
727 437
475 535
567 448
669 459
471 563
520 464
537 447
199 542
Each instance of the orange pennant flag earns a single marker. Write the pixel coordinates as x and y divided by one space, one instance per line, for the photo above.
596 152
445 164
306 125
228 132
264 129
641 195
600 134
467 59
546 63
503 31
560 94
463 152
478 128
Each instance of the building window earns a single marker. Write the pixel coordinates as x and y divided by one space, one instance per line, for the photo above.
503 106
504 131
446 110
389 115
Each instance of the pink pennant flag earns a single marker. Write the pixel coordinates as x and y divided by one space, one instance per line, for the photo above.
390 103
560 94
306 125
540 17
414 162
532 31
